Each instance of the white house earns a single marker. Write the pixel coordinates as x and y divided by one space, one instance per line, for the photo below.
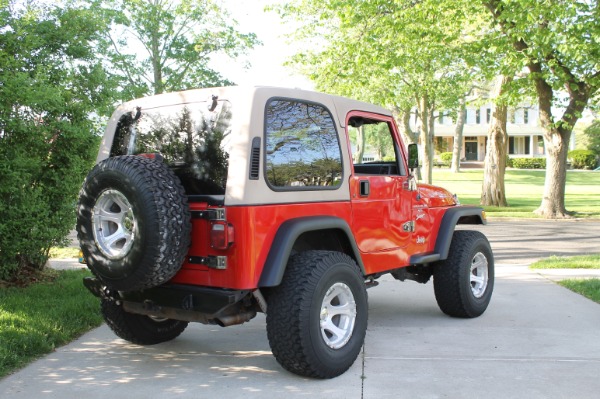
524 132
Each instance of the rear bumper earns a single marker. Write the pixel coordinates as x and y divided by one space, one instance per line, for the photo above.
182 302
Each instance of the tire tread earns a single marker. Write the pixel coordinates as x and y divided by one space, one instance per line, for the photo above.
289 307
453 295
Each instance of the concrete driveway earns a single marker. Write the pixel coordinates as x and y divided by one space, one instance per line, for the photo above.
536 340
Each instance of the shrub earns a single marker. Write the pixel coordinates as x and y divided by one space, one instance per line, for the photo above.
446 157
528 163
52 81
41 173
509 162
582 159
590 137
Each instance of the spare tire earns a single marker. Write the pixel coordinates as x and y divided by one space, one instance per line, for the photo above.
133 222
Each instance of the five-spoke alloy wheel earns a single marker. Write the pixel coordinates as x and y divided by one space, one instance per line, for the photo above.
317 316
463 283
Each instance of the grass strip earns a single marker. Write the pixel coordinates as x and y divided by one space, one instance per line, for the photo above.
571 262
41 317
590 288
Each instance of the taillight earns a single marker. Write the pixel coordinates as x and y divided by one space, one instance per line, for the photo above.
152 155
221 235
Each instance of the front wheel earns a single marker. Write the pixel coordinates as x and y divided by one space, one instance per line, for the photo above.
317 316
140 329
464 282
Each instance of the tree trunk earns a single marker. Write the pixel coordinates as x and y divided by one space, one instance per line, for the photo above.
156 66
493 190
426 138
403 120
553 201
556 141
458 136
360 145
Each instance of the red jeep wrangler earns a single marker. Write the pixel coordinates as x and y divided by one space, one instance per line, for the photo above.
212 205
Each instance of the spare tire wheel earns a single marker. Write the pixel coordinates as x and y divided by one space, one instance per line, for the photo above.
133 222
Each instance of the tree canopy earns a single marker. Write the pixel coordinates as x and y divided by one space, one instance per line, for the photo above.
166 45
558 44
402 54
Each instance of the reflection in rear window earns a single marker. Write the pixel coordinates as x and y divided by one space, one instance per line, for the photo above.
192 139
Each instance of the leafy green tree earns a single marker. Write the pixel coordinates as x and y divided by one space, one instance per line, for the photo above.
403 55
558 44
590 137
166 45
51 83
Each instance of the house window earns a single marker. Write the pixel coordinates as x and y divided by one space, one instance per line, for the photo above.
519 145
477 116
526 116
488 116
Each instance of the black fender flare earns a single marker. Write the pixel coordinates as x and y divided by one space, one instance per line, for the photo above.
452 217
285 238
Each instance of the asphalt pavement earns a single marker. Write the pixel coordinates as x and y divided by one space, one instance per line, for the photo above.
536 340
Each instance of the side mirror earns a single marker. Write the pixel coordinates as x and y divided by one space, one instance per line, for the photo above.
413 156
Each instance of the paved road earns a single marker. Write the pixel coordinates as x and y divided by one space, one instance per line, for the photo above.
525 241
536 340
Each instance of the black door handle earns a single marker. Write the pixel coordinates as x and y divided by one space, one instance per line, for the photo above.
364 188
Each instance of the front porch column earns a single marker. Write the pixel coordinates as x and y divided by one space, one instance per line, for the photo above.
532 146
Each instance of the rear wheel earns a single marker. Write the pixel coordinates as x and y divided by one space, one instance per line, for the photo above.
464 282
317 316
140 329
133 223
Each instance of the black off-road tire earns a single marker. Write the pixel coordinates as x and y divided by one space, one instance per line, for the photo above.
294 314
140 329
458 291
156 221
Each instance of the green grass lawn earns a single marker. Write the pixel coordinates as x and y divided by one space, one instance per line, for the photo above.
37 319
570 262
589 288
524 189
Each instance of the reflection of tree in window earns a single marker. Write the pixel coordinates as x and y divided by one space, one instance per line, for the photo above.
302 145
189 139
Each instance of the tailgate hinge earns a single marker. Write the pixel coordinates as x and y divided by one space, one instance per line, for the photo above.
209 214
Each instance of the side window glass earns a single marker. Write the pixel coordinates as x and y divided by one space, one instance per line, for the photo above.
373 148
302 146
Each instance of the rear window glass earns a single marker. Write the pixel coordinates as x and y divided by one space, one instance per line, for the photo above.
192 138
302 146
